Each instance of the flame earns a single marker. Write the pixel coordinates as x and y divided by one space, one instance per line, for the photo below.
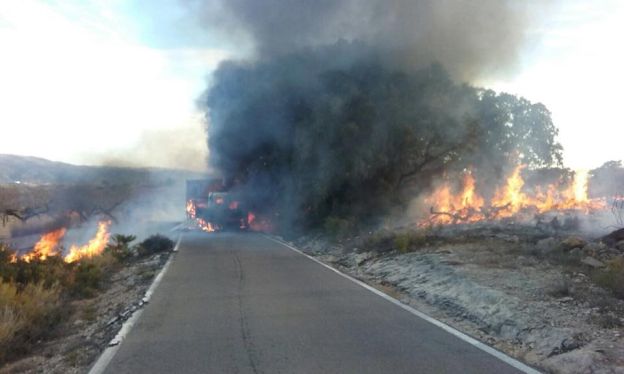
464 205
469 197
93 248
580 186
191 213
191 210
511 195
250 222
508 200
260 224
206 226
46 246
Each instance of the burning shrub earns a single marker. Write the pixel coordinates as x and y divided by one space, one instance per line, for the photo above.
36 286
612 278
155 244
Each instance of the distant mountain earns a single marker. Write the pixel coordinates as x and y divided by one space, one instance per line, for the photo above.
35 170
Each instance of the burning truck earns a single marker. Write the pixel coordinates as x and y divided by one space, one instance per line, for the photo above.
212 207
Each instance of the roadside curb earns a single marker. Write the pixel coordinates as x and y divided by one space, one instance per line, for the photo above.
468 339
109 352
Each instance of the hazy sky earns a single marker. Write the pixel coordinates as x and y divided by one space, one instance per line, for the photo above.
577 70
90 81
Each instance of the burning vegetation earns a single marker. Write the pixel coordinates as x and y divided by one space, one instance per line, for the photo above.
49 245
39 289
346 135
449 205
93 248
351 123
46 246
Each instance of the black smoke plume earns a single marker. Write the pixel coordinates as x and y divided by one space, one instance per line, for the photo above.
344 113
470 38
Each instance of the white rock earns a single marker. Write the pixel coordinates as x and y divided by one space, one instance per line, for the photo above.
590 261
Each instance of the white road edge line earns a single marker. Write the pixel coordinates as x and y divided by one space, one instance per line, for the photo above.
468 339
113 346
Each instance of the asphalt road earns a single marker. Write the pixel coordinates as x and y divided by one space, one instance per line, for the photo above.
242 303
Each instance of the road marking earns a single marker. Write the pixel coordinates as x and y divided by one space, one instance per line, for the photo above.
468 339
113 346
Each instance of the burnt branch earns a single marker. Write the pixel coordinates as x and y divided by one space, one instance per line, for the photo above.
427 159
24 214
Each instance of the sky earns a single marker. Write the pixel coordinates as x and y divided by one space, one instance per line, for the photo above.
111 81
576 68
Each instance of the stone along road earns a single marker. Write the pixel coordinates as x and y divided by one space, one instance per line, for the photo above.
243 303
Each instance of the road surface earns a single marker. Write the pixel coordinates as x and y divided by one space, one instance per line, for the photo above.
243 303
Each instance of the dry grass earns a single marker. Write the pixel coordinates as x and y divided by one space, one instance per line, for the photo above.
9 325
403 241
35 296
26 315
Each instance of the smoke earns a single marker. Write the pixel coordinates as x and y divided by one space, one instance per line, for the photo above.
181 148
470 38
343 107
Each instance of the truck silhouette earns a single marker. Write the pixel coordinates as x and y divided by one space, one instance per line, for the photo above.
209 203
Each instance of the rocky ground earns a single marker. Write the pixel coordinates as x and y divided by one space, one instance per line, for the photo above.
530 294
92 323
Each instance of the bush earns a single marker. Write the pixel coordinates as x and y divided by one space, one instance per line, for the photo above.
88 278
155 244
337 227
7 270
51 271
402 242
33 294
408 241
26 315
120 247
612 278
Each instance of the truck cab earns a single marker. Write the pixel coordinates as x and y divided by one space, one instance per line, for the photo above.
208 201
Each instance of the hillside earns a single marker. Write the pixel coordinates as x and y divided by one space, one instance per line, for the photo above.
34 170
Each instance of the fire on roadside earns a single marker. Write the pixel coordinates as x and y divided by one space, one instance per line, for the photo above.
49 245
93 248
467 205
191 214
46 246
